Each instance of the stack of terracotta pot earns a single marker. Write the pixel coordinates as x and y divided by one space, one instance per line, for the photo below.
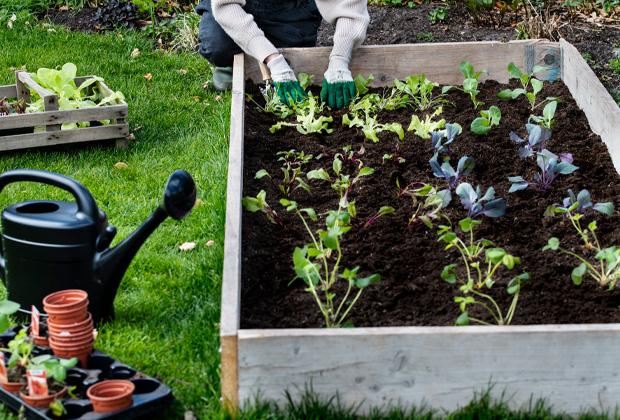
70 325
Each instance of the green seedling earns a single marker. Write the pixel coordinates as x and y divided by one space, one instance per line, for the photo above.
547 119
420 92
486 121
259 204
530 86
308 120
293 163
424 128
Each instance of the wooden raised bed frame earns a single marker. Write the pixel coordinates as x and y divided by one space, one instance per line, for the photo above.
573 366
52 118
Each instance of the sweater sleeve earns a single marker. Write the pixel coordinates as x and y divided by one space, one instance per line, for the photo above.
351 19
241 28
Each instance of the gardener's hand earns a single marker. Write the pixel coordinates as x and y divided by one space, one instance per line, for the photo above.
286 84
338 88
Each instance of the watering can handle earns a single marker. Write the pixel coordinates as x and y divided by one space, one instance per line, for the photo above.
85 201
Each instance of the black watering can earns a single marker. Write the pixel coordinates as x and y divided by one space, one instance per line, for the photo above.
55 245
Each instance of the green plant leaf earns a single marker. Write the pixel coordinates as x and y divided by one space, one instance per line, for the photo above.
577 274
365 171
8 307
480 126
261 174
448 273
318 174
463 319
367 281
552 244
310 212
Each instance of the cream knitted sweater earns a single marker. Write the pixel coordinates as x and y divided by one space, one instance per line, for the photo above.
350 16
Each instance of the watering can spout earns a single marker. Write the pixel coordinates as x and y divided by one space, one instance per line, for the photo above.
111 263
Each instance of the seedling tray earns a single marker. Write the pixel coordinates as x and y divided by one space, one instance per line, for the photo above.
41 129
150 396
573 366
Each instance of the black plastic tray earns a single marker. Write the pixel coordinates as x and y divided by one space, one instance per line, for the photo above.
150 396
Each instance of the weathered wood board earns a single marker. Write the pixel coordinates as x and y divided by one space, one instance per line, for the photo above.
44 128
573 366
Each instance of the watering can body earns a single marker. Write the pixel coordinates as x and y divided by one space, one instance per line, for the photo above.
51 245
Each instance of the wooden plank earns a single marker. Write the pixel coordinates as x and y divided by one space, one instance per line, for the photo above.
440 61
42 139
60 117
22 90
8 91
572 366
231 278
545 54
27 80
593 98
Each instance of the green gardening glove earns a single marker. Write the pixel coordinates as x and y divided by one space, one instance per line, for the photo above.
288 88
338 88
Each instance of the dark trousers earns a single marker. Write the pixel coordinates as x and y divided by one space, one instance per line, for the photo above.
288 23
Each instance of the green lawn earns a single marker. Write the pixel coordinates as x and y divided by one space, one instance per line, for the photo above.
167 309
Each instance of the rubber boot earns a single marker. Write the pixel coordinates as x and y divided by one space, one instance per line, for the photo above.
222 78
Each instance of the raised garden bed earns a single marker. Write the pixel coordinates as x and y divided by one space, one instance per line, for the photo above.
41 129
404 349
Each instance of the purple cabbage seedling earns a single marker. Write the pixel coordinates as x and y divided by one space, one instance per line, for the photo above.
477 204
550 167
579 204
446 171
441 139
538 136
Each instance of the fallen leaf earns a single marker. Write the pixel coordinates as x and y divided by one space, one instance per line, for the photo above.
135 52
121 165
218 98
183 71
206 84
148 76
198 202
12 19
189 415
196 98
137 128
63 8
130 137
187 246
210 242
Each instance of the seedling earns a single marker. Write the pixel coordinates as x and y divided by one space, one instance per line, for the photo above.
259 203
423 129
486 121
480 261
362 115
362 83
443 138
318 262
55 368
451 175
538 136
530 86
477 204
550 167
308 120
273 103
437 15
428 202
547 119
420 91
383 211
305 80
470 84
292 170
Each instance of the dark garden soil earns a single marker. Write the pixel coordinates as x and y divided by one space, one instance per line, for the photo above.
409 258
76 20
401 25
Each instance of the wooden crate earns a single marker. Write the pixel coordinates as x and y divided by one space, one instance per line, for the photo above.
572 366
17 130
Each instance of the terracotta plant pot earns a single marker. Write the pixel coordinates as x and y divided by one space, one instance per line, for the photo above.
71 327
42 402
12 387
41 341
79 349
66 306
111 395
66 337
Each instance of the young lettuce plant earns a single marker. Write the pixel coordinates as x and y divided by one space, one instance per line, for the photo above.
477 204
606 271
427 201
547 119
538 136
550 167
292 170
259 203
420 91
527 81
308 120
486 121
446 171
470 83
273 103
442 139
481 262
424 128
363 115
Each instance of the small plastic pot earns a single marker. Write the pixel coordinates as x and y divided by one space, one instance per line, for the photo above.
56 327
66 306
12 387
41 341
79 349
111 395
41 402
66 337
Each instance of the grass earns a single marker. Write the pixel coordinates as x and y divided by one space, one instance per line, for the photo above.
167 308
614 64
